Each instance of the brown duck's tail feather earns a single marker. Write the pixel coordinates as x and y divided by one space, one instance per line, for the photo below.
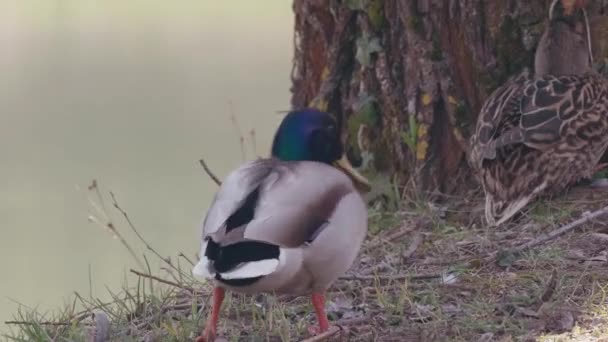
499 211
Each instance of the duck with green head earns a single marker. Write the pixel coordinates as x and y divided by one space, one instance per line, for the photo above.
291 223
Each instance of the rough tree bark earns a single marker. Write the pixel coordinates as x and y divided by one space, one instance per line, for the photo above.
407 78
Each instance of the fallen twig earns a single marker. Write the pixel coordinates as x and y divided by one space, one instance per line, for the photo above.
61 324
161 280
395 277
323 336
380 240
209 172
586 217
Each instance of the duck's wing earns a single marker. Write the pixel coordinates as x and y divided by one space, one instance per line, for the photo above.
550 118
498 121
234 193
535 112
282 203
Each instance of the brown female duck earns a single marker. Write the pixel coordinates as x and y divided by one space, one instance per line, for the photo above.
537 134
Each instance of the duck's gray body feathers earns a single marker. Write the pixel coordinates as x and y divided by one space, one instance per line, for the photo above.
307 216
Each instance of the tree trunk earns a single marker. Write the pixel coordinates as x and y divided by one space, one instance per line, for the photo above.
407 78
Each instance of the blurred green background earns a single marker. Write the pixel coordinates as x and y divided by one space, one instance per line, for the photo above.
131 93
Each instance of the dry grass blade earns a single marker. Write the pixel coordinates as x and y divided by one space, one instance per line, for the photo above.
139 236
105 220
586 217
36 323
160 280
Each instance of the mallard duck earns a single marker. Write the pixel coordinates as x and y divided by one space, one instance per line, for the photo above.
539 133
290 224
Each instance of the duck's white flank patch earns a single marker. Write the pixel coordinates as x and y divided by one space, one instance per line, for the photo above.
252 269
201 269
256 268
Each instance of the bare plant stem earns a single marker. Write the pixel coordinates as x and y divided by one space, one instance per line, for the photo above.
160 280
209 172
139 236
109 225
37 323
586 217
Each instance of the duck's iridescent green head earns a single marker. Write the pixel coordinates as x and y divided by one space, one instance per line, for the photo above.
312 135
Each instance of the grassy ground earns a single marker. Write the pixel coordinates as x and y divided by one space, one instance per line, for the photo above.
425 273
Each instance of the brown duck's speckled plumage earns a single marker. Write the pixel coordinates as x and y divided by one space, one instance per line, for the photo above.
536 135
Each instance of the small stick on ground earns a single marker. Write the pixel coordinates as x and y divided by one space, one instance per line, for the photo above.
395 277
59 324
209 172
380 240
160 280
322 337
586 217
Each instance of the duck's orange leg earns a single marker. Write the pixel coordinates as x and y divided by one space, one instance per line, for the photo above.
211 327
318 302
